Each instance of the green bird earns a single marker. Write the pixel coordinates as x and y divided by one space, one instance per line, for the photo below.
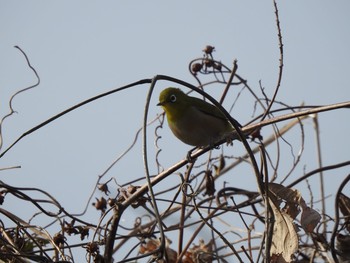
192 120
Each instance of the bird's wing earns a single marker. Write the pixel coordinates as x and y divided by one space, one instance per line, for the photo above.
210 109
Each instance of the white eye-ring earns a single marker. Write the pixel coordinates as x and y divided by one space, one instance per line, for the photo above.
172 98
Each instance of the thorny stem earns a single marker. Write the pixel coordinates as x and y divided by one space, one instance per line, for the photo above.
281 62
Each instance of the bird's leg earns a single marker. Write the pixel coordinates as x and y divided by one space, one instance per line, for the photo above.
189 153
214 146
229 141
189 157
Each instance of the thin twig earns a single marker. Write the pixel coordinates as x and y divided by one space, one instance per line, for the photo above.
144 81
233 73
161 249
320 165
12 111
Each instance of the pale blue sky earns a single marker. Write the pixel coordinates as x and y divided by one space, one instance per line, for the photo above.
83 48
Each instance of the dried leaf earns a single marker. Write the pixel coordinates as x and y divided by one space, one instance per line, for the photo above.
100 204
209 184
200 253
285 239
343 247
290 196
277 259
221 165
153 244
103 188
150 246
285 193
309 219
344 206
292 209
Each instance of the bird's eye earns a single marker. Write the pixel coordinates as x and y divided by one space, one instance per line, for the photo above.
172 98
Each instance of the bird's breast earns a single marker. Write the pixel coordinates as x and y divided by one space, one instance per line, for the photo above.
197 128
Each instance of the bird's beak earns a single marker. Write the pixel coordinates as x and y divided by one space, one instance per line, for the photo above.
159 104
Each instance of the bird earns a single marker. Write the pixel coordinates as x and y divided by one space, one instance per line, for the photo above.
192 120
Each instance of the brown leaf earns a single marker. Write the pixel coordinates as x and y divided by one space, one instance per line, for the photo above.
209 184
199 253
153 244
277 259
309 219
221 166
292 210
100 204
292 198
344 206
343 247
288 194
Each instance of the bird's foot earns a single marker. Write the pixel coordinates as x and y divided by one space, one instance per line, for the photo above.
229 141
189 158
